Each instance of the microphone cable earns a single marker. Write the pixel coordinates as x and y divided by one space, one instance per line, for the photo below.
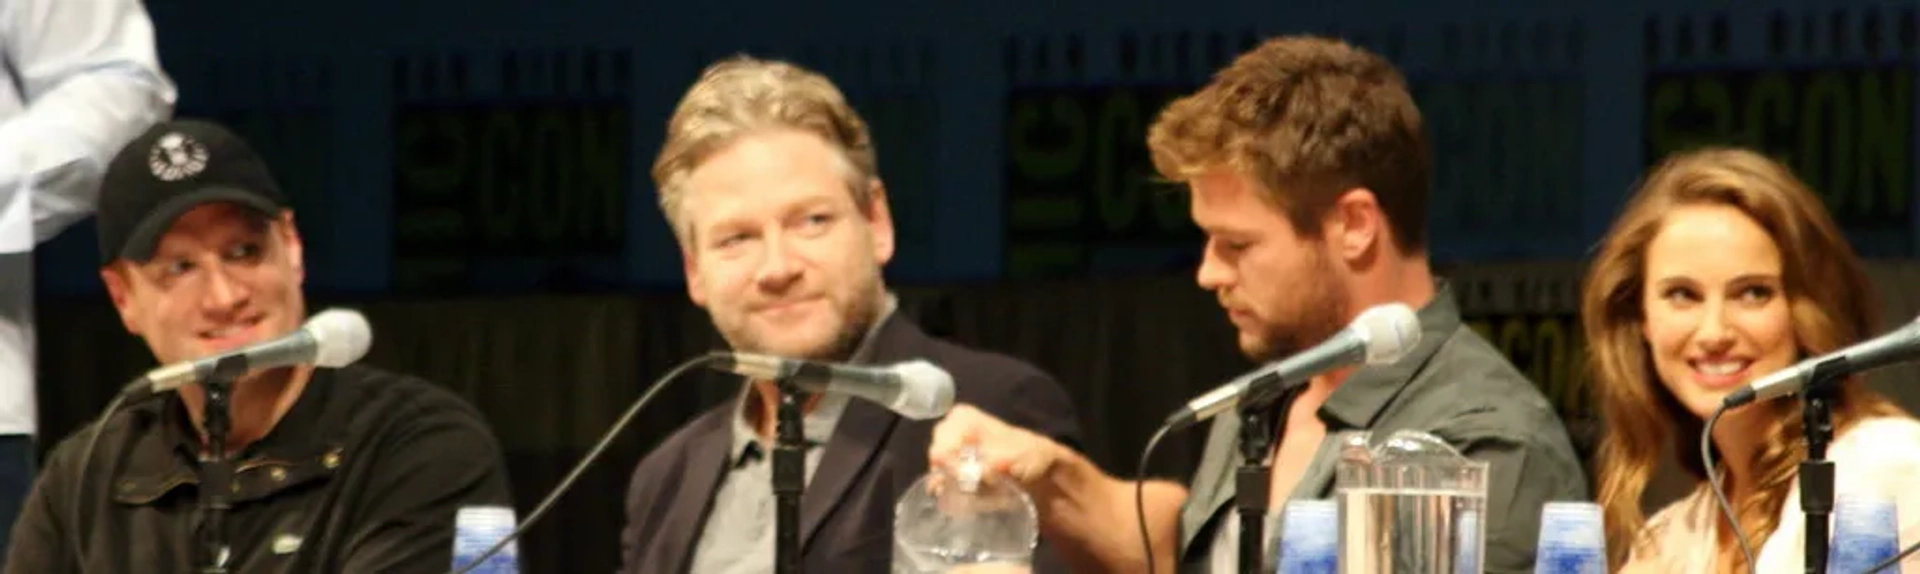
1140 494
598 449
1719 493
1884 564
80 481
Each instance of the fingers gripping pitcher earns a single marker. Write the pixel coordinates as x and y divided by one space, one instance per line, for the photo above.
1409 503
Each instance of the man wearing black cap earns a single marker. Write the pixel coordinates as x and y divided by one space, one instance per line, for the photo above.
334 470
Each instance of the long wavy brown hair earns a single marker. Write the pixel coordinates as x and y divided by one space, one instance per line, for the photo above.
1829 299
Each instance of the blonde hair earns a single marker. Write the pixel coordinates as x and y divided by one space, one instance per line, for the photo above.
1829 301
743 95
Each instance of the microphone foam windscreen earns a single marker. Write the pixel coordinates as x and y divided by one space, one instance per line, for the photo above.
926 390
342 336
1391 331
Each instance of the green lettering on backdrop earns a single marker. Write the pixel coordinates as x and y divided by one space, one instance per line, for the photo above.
1121 182
1847 132
1080 185
479 181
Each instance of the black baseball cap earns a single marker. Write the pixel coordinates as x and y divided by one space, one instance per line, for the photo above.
169 170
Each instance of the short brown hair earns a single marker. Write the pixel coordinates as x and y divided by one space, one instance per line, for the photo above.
744 95
1309 118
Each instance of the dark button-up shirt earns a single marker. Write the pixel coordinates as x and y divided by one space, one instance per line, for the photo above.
1454 385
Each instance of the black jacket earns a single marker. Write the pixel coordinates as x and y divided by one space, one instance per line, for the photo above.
363 474
846 513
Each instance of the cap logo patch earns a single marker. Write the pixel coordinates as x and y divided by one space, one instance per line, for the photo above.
175 157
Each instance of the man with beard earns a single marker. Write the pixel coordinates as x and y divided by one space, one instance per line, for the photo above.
1308 170
768 178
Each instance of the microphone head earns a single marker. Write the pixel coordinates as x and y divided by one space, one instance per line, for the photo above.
1390 332
926 390
341 336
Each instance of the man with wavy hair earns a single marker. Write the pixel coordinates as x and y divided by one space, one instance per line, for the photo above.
769 179
1308 170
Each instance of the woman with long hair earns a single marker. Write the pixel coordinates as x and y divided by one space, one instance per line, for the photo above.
1724 268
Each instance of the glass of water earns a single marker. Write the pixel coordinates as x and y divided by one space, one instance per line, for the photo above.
1308 539
966 520
1866 531
1573 539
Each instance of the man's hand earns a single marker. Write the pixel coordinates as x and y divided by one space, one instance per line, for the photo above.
1011 451
1087 515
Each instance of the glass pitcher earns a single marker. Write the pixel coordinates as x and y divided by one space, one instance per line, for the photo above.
1409 504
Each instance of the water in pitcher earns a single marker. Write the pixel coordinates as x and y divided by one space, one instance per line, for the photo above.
1396 530
1409 504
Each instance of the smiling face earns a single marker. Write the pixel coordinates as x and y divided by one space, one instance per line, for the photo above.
778 251
1717 313
222 277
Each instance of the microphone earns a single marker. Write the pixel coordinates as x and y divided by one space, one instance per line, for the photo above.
914 389
332 338
1900 346
1379 336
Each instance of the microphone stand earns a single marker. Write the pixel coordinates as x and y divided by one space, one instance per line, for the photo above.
1254 480
1816 472
216 469
789 477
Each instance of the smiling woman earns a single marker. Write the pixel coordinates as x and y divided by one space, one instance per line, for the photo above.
1725 267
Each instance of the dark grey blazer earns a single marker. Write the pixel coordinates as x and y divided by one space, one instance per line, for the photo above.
846 522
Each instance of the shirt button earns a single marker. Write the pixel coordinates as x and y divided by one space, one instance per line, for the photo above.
278 474
332 459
